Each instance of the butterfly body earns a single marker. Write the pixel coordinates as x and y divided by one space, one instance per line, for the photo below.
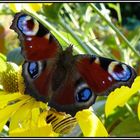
68 82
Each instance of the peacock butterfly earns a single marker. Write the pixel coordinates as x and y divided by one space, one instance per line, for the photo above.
68 83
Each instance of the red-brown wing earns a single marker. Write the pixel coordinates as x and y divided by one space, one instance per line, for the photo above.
104 75
73 95
89 77
37 42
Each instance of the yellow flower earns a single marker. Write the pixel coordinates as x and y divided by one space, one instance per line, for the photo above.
30 7
28 117
89 127
121 95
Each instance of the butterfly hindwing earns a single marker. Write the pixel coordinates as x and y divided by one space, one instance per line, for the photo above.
104 75
36 40
73 94
37 75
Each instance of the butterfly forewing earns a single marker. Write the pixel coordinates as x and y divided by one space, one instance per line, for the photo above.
104 75
37 42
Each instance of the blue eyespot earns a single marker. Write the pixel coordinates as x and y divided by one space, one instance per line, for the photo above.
84 95
33 69
124 75
27 25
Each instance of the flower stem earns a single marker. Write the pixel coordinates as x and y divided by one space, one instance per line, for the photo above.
129 109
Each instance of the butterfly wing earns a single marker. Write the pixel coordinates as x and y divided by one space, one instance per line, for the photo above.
36 40
89 77
40 50
68 83
37 76
72 94
104 75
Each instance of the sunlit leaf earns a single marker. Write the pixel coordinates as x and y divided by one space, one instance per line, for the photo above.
139 110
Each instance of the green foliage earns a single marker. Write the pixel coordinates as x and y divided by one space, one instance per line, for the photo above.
52 11
130 127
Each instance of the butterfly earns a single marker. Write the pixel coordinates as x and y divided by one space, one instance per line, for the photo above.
69 83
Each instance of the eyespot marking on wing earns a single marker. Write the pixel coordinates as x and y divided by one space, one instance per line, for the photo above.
119 72
28 25
83 93
33 69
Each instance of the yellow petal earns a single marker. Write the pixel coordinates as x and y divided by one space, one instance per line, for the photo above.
7 98
120 96
8 111
26 116
2 124
21 116
30 7
34 116
3 93
33 6
40 129
136 85
48 4
42 119
90 125
116 98
27 121
45 131
15 7
42 123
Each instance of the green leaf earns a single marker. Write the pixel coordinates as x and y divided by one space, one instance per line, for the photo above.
98 107
52 11
129 127
3 57
15 56
71 39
